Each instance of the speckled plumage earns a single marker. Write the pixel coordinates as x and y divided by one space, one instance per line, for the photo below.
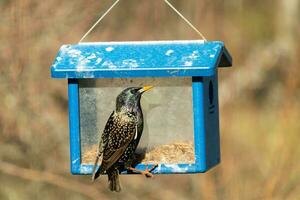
121 136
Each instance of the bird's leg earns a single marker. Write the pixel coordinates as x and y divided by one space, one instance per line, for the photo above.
146 173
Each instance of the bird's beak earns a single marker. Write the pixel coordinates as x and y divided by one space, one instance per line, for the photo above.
146 88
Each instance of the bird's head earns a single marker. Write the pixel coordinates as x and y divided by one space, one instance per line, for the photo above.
129 98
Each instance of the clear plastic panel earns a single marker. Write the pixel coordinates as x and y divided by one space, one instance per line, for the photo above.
168 118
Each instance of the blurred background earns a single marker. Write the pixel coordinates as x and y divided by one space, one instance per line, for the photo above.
259 96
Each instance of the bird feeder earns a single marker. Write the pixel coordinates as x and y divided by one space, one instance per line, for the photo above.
181 114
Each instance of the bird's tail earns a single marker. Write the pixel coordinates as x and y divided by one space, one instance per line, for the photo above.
97 171
113 179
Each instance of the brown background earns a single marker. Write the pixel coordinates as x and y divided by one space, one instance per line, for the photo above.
259 96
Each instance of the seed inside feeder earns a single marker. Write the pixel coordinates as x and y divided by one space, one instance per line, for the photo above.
177 152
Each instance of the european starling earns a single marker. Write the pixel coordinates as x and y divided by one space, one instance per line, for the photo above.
121 136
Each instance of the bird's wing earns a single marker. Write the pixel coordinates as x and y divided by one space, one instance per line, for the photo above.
116 137
120 136
103 143
106 132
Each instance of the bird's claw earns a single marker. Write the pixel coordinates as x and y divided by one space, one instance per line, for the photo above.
148 171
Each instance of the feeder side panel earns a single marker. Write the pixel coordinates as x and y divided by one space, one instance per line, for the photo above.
211 109
199 129
74 126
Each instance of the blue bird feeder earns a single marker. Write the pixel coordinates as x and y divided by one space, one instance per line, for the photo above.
181 131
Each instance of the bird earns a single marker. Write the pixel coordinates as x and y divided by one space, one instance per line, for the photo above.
120 137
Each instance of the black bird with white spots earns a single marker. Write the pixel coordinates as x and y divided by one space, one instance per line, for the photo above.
121 136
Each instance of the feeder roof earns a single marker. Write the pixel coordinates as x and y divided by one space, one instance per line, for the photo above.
140 59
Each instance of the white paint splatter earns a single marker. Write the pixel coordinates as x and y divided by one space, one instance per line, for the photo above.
92 56
64 48
194 55
80 68
98 61
188 63
109 64
109 49
169 52
74 53
131 63
173 71
75 161
188 60
82 61
58 59
176 168
85 169
88 75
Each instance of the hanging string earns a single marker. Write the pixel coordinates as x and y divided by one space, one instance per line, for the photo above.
186 20
99 20
166 1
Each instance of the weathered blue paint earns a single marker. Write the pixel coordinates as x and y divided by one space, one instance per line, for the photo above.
161 169
156 59
206 131
199 125
74 125
140 59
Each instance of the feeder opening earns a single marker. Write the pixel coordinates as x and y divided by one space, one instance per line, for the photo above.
168 135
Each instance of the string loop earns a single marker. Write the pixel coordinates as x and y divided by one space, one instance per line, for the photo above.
166 1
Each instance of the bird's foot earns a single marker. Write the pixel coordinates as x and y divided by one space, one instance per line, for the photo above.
147 173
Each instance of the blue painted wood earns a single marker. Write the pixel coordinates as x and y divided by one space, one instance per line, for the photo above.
161 169
140 59
211 120
206 131
74 126
156 59
199 129
77 168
